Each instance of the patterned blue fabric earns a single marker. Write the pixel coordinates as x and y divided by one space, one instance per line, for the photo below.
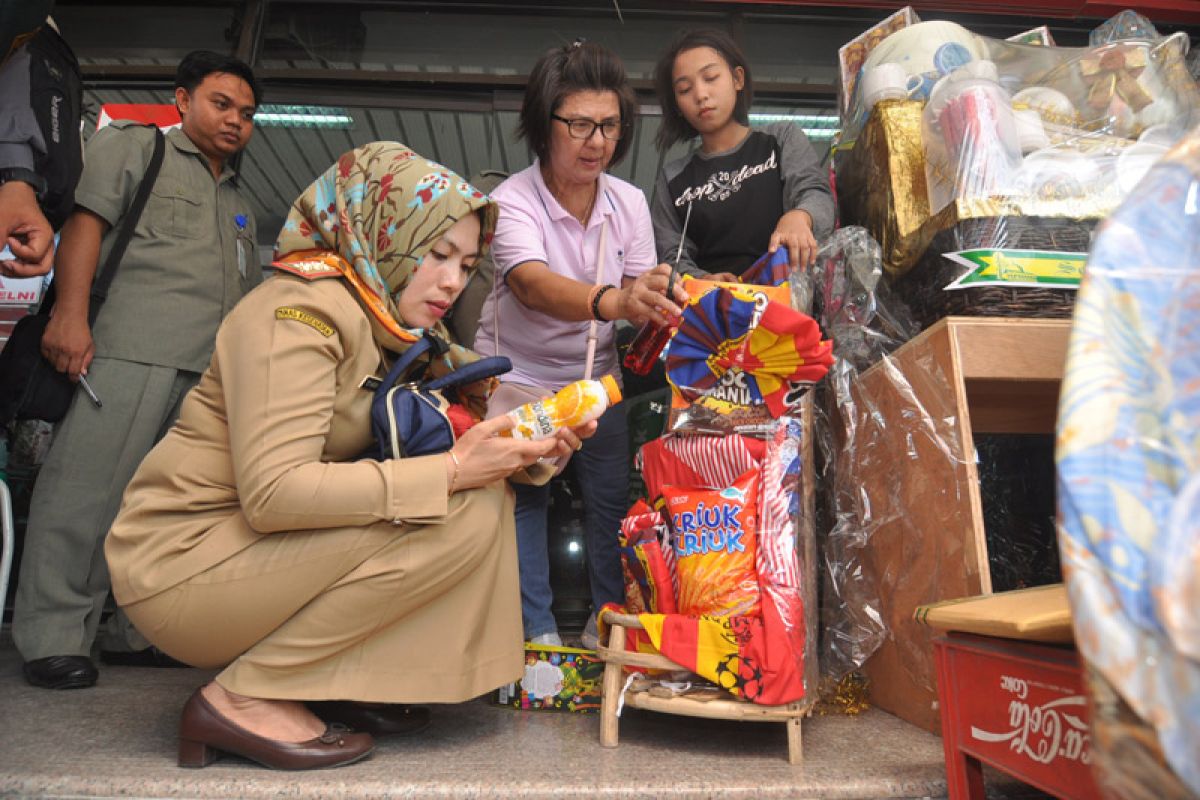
1128 446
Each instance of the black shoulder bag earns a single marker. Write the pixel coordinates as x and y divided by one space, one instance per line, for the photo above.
30 386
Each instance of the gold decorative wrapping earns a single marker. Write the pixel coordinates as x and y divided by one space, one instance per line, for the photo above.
881 182
846 696
881 186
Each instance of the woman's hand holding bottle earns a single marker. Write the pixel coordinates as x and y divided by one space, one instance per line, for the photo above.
645 299
482 456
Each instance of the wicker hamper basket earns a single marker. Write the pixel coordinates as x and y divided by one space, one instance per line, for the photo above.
922 288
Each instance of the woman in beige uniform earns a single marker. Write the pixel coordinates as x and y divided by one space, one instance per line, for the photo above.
251 537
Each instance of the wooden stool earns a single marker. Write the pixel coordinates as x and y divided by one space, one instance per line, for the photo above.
615 657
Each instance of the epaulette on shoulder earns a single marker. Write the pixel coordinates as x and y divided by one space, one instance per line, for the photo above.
311 264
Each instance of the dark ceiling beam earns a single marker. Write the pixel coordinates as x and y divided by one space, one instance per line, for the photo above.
1186 12
1183 12
275 79
250 33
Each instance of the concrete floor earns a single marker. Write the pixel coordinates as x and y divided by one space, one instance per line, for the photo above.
117 739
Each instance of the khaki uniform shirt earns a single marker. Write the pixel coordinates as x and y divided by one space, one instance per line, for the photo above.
266 443
192 255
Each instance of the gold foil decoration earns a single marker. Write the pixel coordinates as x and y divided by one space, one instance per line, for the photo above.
881 182
881 186
847 696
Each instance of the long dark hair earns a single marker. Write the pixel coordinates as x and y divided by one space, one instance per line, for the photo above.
578 67
675 127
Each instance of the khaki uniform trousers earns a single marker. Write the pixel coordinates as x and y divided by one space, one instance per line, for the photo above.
385 613
63 581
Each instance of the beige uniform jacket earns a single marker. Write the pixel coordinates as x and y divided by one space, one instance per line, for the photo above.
262 439
250 539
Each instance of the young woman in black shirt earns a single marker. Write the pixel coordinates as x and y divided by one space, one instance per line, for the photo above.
751 191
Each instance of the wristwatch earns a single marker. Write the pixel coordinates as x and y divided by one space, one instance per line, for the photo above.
26 176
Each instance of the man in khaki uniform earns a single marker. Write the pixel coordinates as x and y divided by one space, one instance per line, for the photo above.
192 257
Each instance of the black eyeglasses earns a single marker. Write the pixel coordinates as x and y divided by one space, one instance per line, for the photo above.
584 128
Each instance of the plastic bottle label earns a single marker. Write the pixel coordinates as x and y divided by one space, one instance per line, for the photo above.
534 421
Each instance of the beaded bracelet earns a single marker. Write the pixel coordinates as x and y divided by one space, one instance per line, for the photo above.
591 298
598 293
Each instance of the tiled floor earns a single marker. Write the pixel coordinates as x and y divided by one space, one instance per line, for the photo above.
117 739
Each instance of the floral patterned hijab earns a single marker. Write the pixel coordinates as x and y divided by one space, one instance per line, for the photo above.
374 215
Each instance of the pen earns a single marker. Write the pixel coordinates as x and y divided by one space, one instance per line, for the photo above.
87 388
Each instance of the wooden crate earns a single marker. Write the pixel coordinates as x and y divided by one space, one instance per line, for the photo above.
967 375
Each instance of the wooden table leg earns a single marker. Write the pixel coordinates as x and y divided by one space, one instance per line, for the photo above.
611 689
795 748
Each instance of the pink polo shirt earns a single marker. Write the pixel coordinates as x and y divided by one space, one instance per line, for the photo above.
533 226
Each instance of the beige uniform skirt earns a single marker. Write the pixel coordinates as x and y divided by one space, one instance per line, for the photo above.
382 613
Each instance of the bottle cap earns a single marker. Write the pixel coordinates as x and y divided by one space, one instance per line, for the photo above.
610 386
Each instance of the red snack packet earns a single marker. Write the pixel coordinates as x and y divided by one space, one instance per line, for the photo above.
460 418
715 533
649 584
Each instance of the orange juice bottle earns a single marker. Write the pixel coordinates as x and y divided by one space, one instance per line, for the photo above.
574 404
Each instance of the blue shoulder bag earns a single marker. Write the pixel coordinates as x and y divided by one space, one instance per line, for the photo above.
409 419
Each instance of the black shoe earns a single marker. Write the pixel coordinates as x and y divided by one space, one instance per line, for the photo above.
150 657
61 672
377 719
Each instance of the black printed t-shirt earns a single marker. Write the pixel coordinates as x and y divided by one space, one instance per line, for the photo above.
737 199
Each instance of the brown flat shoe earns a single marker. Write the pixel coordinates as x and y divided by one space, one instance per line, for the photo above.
377 719
204 734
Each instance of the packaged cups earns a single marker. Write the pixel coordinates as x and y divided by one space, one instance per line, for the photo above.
973 146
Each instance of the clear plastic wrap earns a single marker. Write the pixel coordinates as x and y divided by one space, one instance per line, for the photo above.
914 509
1128 460
985 167
1127 80
845 289
1126 24
767 656
1052 128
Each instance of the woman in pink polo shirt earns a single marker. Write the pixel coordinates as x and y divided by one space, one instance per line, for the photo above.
577 111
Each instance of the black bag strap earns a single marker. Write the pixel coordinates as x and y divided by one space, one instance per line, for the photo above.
469 373
128 223
406 360
104 277
488 367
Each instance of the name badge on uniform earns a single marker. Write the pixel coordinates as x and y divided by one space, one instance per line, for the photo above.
311 320
240 221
